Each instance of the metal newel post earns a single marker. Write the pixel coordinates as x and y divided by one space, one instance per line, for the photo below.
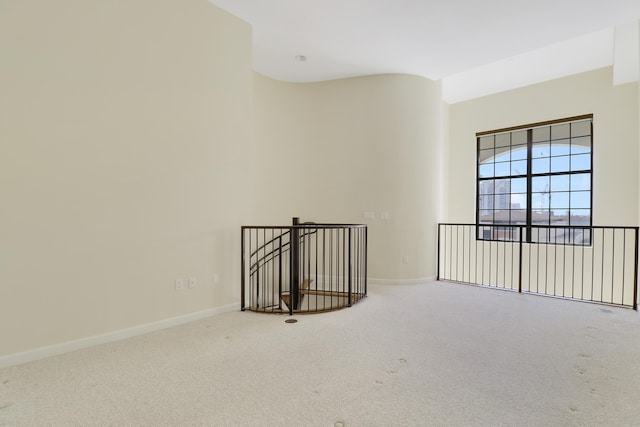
520 262
438 255
242 268
635 273
295 265
350 285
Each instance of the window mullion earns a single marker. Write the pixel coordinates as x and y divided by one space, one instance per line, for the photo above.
478 180
529 184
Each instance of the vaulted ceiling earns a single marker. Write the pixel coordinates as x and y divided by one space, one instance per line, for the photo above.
463 42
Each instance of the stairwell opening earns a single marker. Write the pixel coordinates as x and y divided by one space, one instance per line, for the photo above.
303 267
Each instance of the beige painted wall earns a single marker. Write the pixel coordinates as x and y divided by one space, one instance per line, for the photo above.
330 151
135 141
616 139
125 163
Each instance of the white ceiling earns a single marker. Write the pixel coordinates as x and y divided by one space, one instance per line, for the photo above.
446 39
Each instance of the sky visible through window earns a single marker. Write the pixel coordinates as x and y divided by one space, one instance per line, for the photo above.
549 192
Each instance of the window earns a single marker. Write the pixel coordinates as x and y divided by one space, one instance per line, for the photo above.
536 179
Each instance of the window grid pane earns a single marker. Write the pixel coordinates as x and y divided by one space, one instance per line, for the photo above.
558 184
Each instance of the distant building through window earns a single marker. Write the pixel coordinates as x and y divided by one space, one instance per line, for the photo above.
536 180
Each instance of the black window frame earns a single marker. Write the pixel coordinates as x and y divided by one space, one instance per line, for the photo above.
534 231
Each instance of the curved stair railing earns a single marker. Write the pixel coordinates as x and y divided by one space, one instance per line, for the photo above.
303 268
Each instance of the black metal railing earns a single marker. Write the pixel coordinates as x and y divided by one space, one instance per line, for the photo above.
595 264
303 267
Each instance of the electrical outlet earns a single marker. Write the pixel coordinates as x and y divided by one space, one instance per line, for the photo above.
192 282
179 284
405 259
216 278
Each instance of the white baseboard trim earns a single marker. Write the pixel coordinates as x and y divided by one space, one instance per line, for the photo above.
374 281
69 346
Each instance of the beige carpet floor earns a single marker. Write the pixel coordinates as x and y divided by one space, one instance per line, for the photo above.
435 354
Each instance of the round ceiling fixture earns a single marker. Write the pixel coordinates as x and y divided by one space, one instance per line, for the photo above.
300 58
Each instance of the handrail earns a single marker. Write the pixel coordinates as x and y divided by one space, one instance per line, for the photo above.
289 228
587 263
577 227
269 242
303 225
281 248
